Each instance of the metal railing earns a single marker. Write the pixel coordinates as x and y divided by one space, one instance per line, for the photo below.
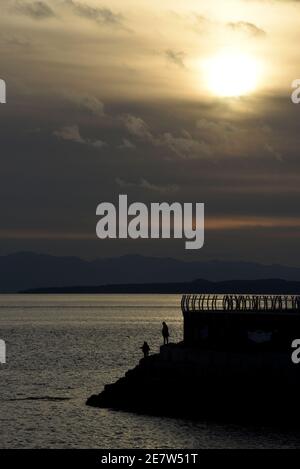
232 302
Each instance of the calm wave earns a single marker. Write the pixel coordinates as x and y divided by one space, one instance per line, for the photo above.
63 348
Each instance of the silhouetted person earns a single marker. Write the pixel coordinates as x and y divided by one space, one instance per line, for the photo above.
146 349
165 333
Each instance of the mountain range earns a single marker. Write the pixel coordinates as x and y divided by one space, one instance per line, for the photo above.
29 271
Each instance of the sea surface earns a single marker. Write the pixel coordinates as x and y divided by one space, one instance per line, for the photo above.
63 348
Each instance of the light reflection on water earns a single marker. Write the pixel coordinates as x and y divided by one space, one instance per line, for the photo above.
62 348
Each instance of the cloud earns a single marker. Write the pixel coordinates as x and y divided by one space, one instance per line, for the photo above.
213 140
97 143
238 139
240 222
126 145
69 133
37 10
93 104
145 184
185 146
138 127
248 28
89 103
15 40
101 15
202 24
176 57
72 134
274 153
217 131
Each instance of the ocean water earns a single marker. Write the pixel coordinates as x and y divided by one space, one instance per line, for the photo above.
63 348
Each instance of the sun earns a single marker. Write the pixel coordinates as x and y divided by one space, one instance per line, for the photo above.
232 74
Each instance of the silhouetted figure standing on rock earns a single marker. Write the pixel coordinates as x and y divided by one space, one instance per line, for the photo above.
165 333
146 349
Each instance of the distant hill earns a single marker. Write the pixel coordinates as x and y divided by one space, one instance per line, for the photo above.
268 286
27 270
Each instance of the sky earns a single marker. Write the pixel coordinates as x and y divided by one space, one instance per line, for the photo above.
127 96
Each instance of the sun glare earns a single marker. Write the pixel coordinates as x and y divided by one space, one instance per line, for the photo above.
230 74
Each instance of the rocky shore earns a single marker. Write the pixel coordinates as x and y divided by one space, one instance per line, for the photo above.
189 383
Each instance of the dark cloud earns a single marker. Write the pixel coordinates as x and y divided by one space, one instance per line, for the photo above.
101 15
94 105
61 180
127 145
247 28
176 57
37 10
15 40
137 127
182 145
207 138
91 114
185 146
144 184
73 134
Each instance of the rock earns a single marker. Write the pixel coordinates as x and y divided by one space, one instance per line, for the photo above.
180 382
